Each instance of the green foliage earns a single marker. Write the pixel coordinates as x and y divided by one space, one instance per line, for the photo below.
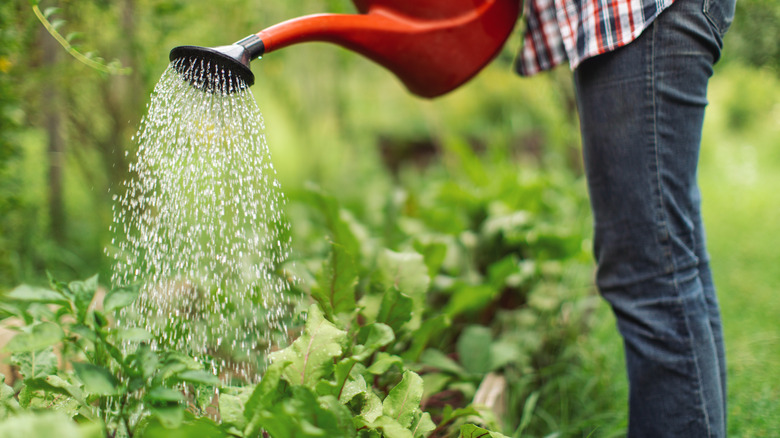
382 343
89 59
99 382
754 33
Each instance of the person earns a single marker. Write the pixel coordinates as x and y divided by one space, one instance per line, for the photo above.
641 69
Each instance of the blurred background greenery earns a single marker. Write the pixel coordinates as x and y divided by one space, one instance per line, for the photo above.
337 120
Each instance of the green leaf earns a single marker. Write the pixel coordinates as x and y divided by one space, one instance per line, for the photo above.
48 12
72 36
352 388
434 254
35 337
383 362
338 227
69 388
303 414
83 293
503 352
406 272
474 349
119 298
472 431
422 425
36 364
263 398
161 395
342 371
391 428
142 363
332 416
84 331
57 24
47 424
448 414
54 392
97 380
8 404
371 338
528 412
402 401
185 427
440 361
232 404
170 416
372 407
36 295
395 309
336 286
36 394
265 392
312 352
200 377
470 299
172 363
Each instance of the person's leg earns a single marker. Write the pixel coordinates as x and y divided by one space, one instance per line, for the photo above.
641 111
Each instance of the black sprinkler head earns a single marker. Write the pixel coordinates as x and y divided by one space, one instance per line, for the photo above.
222 68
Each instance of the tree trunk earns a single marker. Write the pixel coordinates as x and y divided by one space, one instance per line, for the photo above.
56 146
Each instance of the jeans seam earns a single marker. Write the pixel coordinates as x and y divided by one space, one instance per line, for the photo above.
663 224
668 253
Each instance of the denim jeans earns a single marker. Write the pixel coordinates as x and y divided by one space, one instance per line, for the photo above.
641 111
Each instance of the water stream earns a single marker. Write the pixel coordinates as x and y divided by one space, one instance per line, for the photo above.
200 225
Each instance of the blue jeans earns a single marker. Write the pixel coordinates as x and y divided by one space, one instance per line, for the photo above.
641 110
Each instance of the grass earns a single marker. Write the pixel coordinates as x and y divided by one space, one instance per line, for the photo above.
740 177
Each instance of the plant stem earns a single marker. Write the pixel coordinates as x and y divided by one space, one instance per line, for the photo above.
75 53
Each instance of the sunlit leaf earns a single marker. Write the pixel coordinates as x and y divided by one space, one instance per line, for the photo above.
8 404
199 377
336 289
97 380
407 272
119 298
312 352
440 361
371 338
36 294
383 362
402 401
83 293
470 299
36 337
47 424
395 310
422 424
170 415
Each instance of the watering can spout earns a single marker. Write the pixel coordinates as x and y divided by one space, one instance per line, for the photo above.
432 46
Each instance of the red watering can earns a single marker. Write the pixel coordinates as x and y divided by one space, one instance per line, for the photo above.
432 46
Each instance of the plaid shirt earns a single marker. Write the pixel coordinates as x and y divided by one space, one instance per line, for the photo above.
576 30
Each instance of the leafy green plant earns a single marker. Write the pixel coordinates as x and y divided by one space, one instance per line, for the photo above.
72 360
472 289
